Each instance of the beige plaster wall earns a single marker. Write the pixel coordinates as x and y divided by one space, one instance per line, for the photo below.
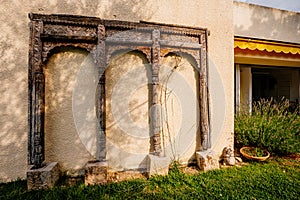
266 23
180 107
128 92
216 15
127 117
62 141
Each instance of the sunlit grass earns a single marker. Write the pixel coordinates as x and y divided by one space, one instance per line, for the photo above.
275 179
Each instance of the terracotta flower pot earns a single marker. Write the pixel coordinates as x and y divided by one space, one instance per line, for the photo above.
247 153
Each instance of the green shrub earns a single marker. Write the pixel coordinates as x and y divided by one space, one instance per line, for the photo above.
270 125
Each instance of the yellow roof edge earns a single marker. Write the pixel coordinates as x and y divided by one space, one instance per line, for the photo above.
263 45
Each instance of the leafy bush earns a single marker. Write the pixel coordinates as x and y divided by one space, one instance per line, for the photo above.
270 125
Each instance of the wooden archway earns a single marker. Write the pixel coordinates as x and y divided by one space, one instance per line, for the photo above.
102 38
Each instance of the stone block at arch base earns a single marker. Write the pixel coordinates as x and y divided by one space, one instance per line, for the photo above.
158 165
43 178
95 172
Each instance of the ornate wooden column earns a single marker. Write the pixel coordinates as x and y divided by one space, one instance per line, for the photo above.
39 115
36 97
204 97
101 108
155 114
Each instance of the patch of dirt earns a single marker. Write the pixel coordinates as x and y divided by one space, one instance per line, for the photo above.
295 156
292 160
193 169
125 175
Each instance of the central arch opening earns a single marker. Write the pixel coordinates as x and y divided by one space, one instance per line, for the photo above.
127 88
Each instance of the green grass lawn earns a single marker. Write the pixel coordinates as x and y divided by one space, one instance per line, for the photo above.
277 178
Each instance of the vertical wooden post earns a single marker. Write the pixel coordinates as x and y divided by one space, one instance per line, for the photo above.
39 116
37 98
204 100
299 90
155 114
101 64
30 104
237 87
246 89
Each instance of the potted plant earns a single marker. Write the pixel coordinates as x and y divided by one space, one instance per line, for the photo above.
255 153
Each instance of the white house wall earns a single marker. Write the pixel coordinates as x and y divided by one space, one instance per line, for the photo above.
261 22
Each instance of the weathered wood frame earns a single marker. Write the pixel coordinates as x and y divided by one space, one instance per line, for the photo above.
93 34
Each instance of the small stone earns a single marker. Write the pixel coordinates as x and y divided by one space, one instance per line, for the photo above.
239 159
207 161
230 161
228 156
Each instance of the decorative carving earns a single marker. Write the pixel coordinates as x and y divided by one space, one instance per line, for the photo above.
36 97
50 46
37 45
94 35
38 122
146 51
116 49
174 29
63 30
193 53
66 19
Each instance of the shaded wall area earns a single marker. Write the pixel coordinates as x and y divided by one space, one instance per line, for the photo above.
261 22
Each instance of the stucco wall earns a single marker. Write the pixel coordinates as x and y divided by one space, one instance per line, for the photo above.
14 39
266 23
128 93
127 124
62 142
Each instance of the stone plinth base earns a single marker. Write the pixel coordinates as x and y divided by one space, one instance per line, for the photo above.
158 165
207 161
44 177
95 172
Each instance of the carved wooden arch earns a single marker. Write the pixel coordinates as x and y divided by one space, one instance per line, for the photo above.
102 38
124 49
